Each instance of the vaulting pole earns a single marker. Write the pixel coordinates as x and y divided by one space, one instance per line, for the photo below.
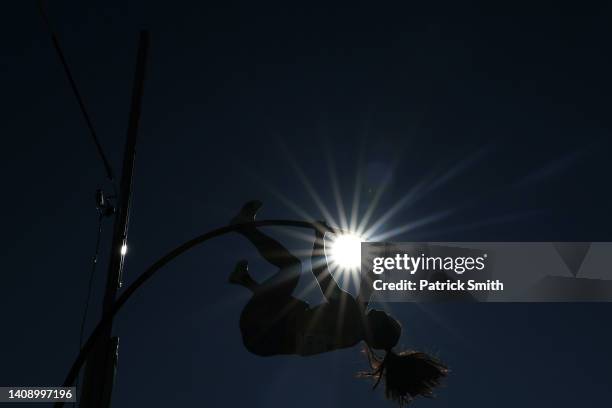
102 326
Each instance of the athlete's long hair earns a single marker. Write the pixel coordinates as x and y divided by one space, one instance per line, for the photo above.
407 375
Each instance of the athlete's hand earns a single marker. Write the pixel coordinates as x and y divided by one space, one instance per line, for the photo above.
321 227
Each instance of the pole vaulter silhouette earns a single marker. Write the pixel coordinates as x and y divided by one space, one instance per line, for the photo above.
274 322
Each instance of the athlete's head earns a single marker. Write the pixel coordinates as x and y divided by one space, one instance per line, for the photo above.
407 374
382 332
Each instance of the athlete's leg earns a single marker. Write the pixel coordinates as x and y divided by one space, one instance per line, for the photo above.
285 281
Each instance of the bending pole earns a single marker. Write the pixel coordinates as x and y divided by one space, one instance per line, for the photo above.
150 271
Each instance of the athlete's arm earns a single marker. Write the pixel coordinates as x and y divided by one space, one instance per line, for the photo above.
326 281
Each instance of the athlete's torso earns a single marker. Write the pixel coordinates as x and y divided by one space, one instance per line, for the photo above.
290 326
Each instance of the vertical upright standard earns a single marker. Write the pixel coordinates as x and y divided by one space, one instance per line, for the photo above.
101 365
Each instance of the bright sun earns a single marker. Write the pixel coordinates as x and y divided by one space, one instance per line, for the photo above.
345 251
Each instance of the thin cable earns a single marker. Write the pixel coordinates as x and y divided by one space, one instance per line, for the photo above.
77 94
94 263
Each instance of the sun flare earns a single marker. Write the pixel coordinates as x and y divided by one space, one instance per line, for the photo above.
345 251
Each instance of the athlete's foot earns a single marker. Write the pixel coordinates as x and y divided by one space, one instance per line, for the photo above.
240 274
247 212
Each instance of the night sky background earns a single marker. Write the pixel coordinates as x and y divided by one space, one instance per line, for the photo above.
504 110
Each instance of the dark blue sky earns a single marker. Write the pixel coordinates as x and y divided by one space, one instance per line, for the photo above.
517 100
